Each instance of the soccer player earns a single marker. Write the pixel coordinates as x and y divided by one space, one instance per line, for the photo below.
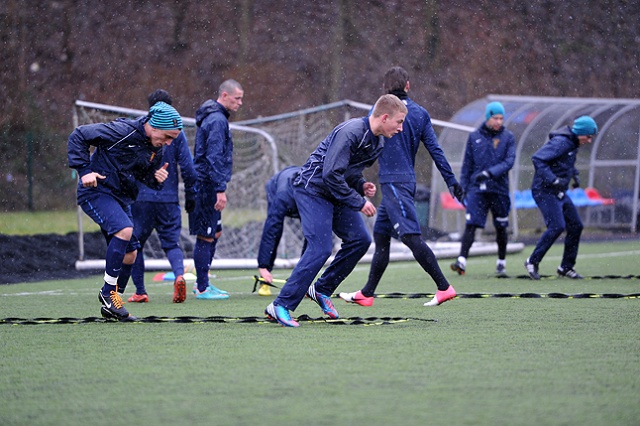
554 165
213 162
281 204
489 155
397 216
160 210
126 151
329 192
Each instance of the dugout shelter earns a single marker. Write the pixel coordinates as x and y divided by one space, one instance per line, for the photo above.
609 167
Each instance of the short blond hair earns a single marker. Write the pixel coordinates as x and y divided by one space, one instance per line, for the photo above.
388 104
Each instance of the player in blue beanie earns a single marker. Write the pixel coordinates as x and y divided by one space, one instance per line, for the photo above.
493 108
126 151
555 167
488 158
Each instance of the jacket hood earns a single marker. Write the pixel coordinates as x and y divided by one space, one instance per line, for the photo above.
565 132
207 108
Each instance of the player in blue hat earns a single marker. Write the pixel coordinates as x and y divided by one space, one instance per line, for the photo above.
126 151
489 155
555 167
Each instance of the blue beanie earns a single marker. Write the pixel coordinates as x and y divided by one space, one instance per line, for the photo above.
584 125
493 108
164 117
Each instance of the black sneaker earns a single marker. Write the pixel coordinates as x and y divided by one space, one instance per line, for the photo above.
458 267
569 273
113 309
501 271
532 269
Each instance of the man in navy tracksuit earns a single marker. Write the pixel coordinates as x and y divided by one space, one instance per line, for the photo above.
213 160
281 204
329 192
160 210
490 154
397 216
126 151
555 167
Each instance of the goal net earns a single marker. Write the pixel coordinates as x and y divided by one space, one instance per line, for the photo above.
262 147
255 160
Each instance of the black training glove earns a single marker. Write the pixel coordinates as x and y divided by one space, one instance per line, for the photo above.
483 176
189 205
560 183
456 191
576 182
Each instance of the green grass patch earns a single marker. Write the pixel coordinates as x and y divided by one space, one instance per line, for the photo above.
63 222
489 361
50 222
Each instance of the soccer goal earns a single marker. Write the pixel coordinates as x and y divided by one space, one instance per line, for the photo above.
262 147
255 160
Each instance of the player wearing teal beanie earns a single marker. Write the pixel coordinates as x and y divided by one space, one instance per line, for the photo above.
584 126
493 108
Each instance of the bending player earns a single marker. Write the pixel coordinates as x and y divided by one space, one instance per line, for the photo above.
126 151
281 204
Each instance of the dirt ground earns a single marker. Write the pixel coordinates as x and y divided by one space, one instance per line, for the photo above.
46 257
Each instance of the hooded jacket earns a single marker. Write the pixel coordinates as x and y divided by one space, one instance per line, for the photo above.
555 159
123 154
213 152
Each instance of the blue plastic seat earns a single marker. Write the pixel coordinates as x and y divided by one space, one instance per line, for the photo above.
524 199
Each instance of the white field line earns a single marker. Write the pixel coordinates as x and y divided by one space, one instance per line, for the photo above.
130 287
477 260
249 278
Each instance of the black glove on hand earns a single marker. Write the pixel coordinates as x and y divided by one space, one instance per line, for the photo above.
560 183
576 182
483 176
189 205
456 191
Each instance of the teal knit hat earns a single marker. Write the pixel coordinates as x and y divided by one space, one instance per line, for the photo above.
164 117
492 109
584 125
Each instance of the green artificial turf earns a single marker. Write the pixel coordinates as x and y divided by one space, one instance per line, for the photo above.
472 361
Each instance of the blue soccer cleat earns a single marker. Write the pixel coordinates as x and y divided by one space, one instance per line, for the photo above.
323 301
281 315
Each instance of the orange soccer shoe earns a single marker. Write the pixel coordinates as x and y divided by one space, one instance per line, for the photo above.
138 298
179 289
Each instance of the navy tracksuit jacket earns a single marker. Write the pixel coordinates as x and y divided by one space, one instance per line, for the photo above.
556 159
281 204
123 154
